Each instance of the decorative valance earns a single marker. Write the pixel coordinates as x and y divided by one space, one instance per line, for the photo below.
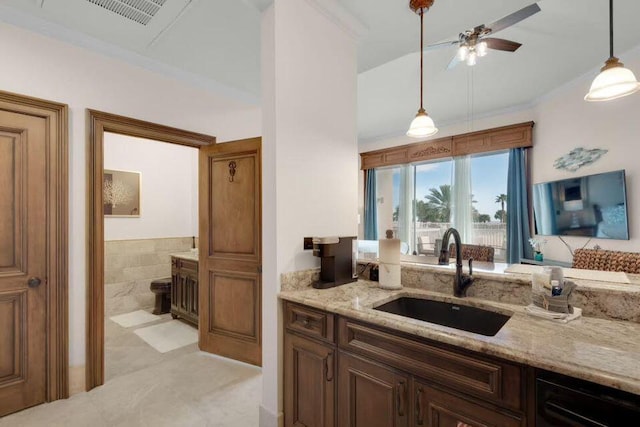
496 139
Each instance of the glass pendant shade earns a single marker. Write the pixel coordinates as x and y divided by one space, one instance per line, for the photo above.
614 81
481 48
422 126
463 51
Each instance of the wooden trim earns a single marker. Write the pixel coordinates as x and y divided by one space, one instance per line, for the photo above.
502 138
99 123
56 115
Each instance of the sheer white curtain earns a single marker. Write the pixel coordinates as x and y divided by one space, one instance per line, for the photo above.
461 198
405 215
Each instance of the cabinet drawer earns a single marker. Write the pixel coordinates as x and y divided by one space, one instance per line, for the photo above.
469 373
308 321
186 264
437 408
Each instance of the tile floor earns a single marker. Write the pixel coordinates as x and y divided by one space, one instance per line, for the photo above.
126 352
184 387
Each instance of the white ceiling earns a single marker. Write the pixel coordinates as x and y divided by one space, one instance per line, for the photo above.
220 40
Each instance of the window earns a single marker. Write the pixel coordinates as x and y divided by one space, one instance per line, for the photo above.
419 202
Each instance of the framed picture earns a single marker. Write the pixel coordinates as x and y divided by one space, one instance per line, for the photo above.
121 190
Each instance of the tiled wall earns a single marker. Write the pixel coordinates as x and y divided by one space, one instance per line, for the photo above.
131 265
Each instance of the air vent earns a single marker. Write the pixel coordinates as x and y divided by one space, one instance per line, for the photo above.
140 11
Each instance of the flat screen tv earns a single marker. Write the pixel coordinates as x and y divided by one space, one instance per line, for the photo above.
592 206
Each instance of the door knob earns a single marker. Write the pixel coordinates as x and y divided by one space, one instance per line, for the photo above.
34 282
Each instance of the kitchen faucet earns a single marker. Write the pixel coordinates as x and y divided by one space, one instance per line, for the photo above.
462 281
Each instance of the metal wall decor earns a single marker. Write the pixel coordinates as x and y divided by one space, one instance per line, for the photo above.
577 158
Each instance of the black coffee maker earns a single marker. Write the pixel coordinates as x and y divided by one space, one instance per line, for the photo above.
336 261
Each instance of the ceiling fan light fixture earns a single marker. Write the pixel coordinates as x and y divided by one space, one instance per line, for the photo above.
472 59
614 81
481 49
463 52
422 126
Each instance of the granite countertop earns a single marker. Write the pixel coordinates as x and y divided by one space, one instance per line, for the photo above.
192 256
599 350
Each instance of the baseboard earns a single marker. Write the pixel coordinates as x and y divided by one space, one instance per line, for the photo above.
269 419
77 382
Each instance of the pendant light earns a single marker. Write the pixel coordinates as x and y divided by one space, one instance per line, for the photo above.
614 80
422 125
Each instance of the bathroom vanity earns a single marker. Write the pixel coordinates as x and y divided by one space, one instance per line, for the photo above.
347 364
184 287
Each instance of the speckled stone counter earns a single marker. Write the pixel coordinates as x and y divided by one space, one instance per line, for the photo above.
599 350
191 256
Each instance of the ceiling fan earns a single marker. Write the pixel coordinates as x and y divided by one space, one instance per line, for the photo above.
474 43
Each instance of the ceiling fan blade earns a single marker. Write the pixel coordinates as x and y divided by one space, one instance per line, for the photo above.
501 44
514 18
455 61
442 44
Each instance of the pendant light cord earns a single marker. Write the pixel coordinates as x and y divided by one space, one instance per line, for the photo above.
611 28
421 54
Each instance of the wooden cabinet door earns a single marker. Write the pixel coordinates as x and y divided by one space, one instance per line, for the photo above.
175 290
437 408
23 260
370 395
193 297
230 265
309 383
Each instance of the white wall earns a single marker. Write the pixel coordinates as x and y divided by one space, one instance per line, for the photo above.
46 68
309 132
564 121
168 189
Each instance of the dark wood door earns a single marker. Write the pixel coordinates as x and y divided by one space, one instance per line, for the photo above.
370 395
437 408
230 270
23 257
309 383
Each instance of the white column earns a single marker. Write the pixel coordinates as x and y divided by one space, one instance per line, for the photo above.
310 154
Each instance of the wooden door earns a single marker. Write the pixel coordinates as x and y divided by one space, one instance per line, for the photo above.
230 267
437 408
309 383
370 395
23 260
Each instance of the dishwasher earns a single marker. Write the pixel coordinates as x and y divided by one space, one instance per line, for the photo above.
565 401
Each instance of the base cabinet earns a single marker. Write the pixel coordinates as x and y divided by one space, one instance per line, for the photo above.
371 395
184 289
338 372
309 382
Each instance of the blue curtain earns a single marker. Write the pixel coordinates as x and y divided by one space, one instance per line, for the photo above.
518 229
370 207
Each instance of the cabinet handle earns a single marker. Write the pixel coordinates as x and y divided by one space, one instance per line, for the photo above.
419 412
401 392
306 323
328 367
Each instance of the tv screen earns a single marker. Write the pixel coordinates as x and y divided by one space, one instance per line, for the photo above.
592 206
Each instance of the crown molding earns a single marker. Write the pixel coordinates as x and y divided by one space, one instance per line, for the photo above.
46 28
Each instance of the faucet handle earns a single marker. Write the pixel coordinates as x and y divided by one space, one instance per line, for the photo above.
470 266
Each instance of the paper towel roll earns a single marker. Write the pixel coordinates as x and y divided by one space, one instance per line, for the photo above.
389 276
389 251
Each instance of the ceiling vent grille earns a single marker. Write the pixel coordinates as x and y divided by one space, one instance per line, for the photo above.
140 11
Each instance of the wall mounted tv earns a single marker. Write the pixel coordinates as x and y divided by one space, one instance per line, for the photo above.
592 206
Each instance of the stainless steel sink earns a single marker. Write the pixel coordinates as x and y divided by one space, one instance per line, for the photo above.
466 318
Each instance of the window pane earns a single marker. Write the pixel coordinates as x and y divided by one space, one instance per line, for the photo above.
489 186
432 205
